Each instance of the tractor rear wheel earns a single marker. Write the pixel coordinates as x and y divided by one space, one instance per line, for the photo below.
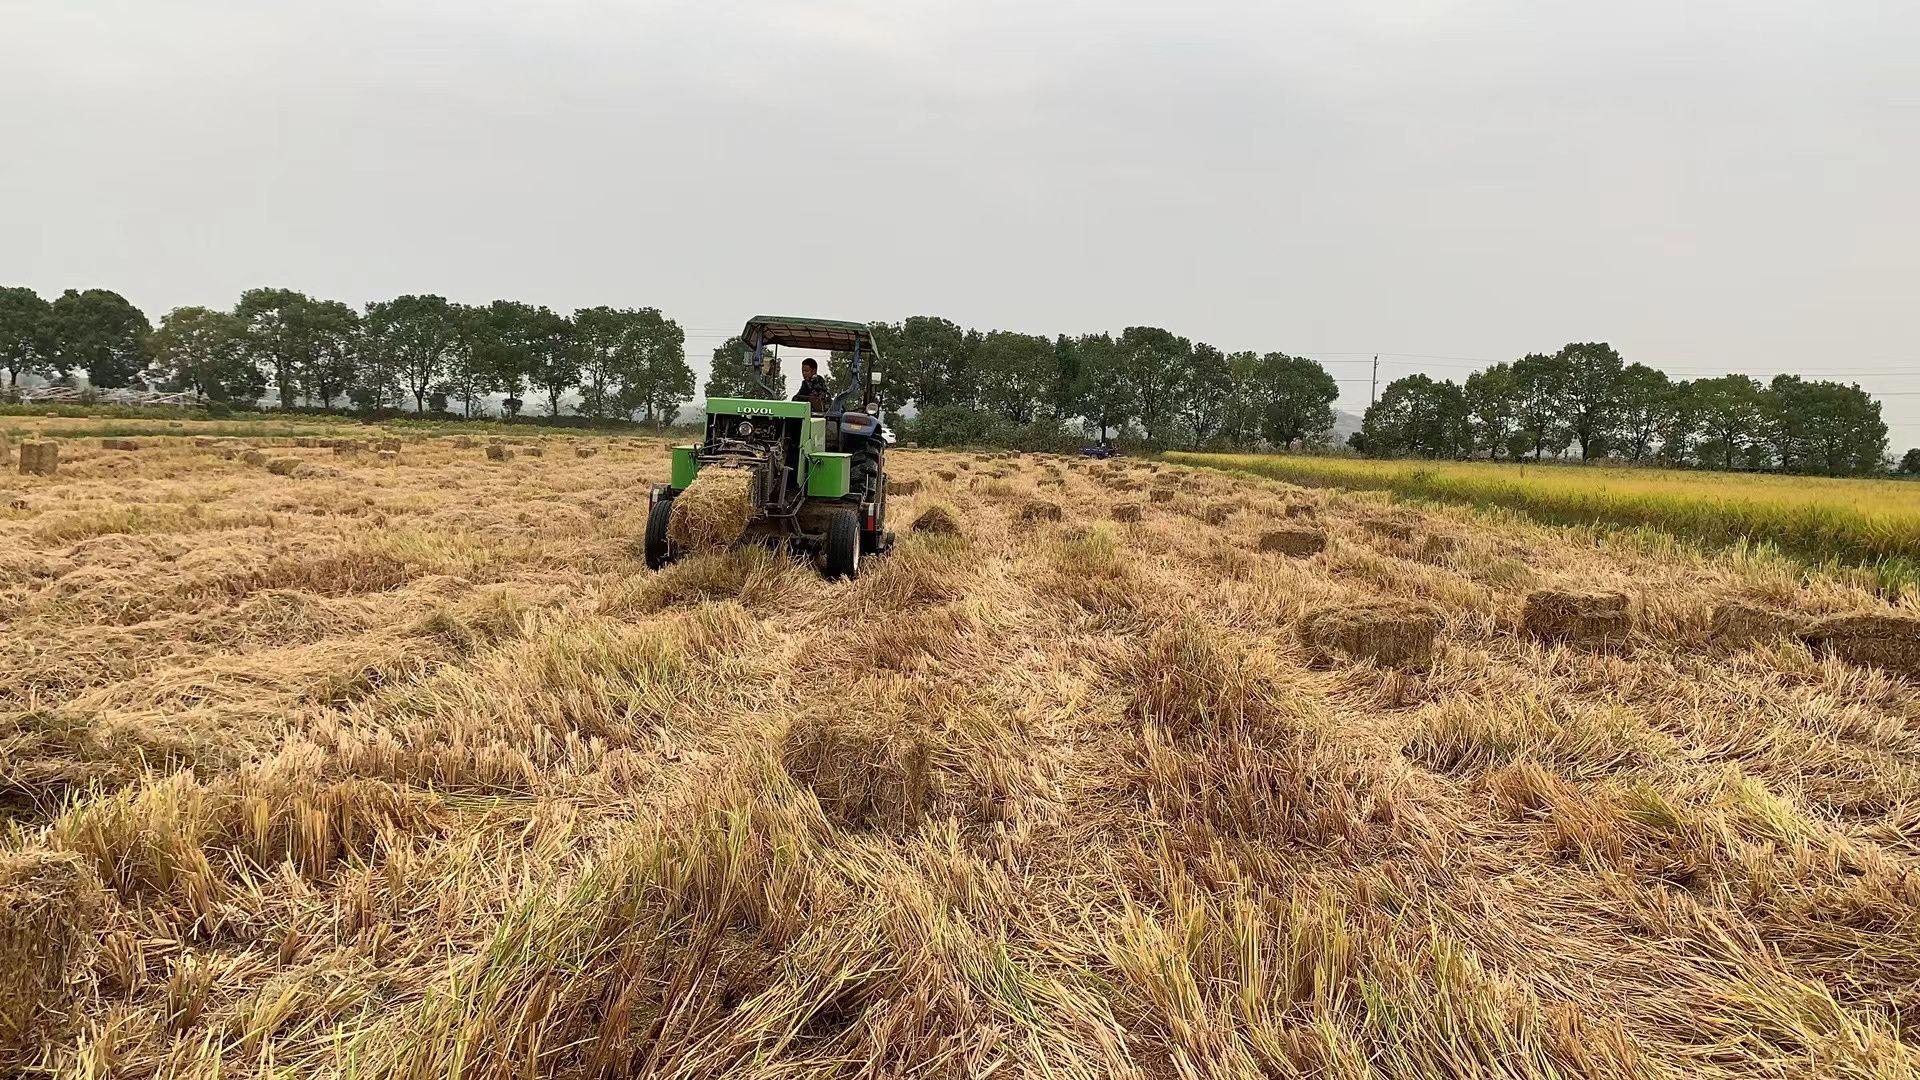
864 468
656 545
843 544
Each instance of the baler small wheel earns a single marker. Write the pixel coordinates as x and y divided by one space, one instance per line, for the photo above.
843 545
657 550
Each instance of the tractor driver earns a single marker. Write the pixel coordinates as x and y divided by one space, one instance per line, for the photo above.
813 388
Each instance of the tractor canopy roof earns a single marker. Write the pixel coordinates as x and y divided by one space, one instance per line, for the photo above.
800 333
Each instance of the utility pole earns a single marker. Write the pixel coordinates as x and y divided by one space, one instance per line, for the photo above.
1373 389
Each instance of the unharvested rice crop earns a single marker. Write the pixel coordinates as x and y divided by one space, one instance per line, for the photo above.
414 770
713 511
1815 517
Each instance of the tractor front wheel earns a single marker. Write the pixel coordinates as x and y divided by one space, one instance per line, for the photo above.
658 553
843 544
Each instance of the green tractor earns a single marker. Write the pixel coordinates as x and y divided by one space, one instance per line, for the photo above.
817 468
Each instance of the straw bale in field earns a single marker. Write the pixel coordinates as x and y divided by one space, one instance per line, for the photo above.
254 457
463 442
205 442
1037 510
1217 513
866 771
1126 511
1391 634
499 452
947 474
585 451
1884 641
902 487
536 450
1578 618
343 448
1434 547
938 519
119 444
1298 542
306 442
714 510
51 905
1161 494
1737 623
283 466
40 457
387 444
1388 528
388 457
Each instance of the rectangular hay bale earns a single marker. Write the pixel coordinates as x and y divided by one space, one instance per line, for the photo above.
39 458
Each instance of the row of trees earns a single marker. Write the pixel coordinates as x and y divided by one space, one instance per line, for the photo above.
1164 389
423 351
1586 399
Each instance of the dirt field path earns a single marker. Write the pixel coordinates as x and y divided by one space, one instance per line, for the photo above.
324 762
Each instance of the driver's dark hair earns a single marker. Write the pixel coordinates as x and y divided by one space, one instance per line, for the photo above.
809 362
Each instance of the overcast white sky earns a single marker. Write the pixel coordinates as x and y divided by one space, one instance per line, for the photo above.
1709 186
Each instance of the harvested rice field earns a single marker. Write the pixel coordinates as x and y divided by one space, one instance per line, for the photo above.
393 760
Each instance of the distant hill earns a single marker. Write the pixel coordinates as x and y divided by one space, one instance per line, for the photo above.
1344 424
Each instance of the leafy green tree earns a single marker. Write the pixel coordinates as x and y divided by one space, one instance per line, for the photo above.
1204 396
1824 427
507 354
1152 365
732 377
329 332
1540 384
1066 377
1680 424
1591 393
1492 400
928 360
1645 399
634 360
27 343
666 381
556 365
269 317
1100 395
98 331
1910 462
1297 396
1247 403
310 346
1727 410
416 336
465 374
1013 374
204 351
1416 416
